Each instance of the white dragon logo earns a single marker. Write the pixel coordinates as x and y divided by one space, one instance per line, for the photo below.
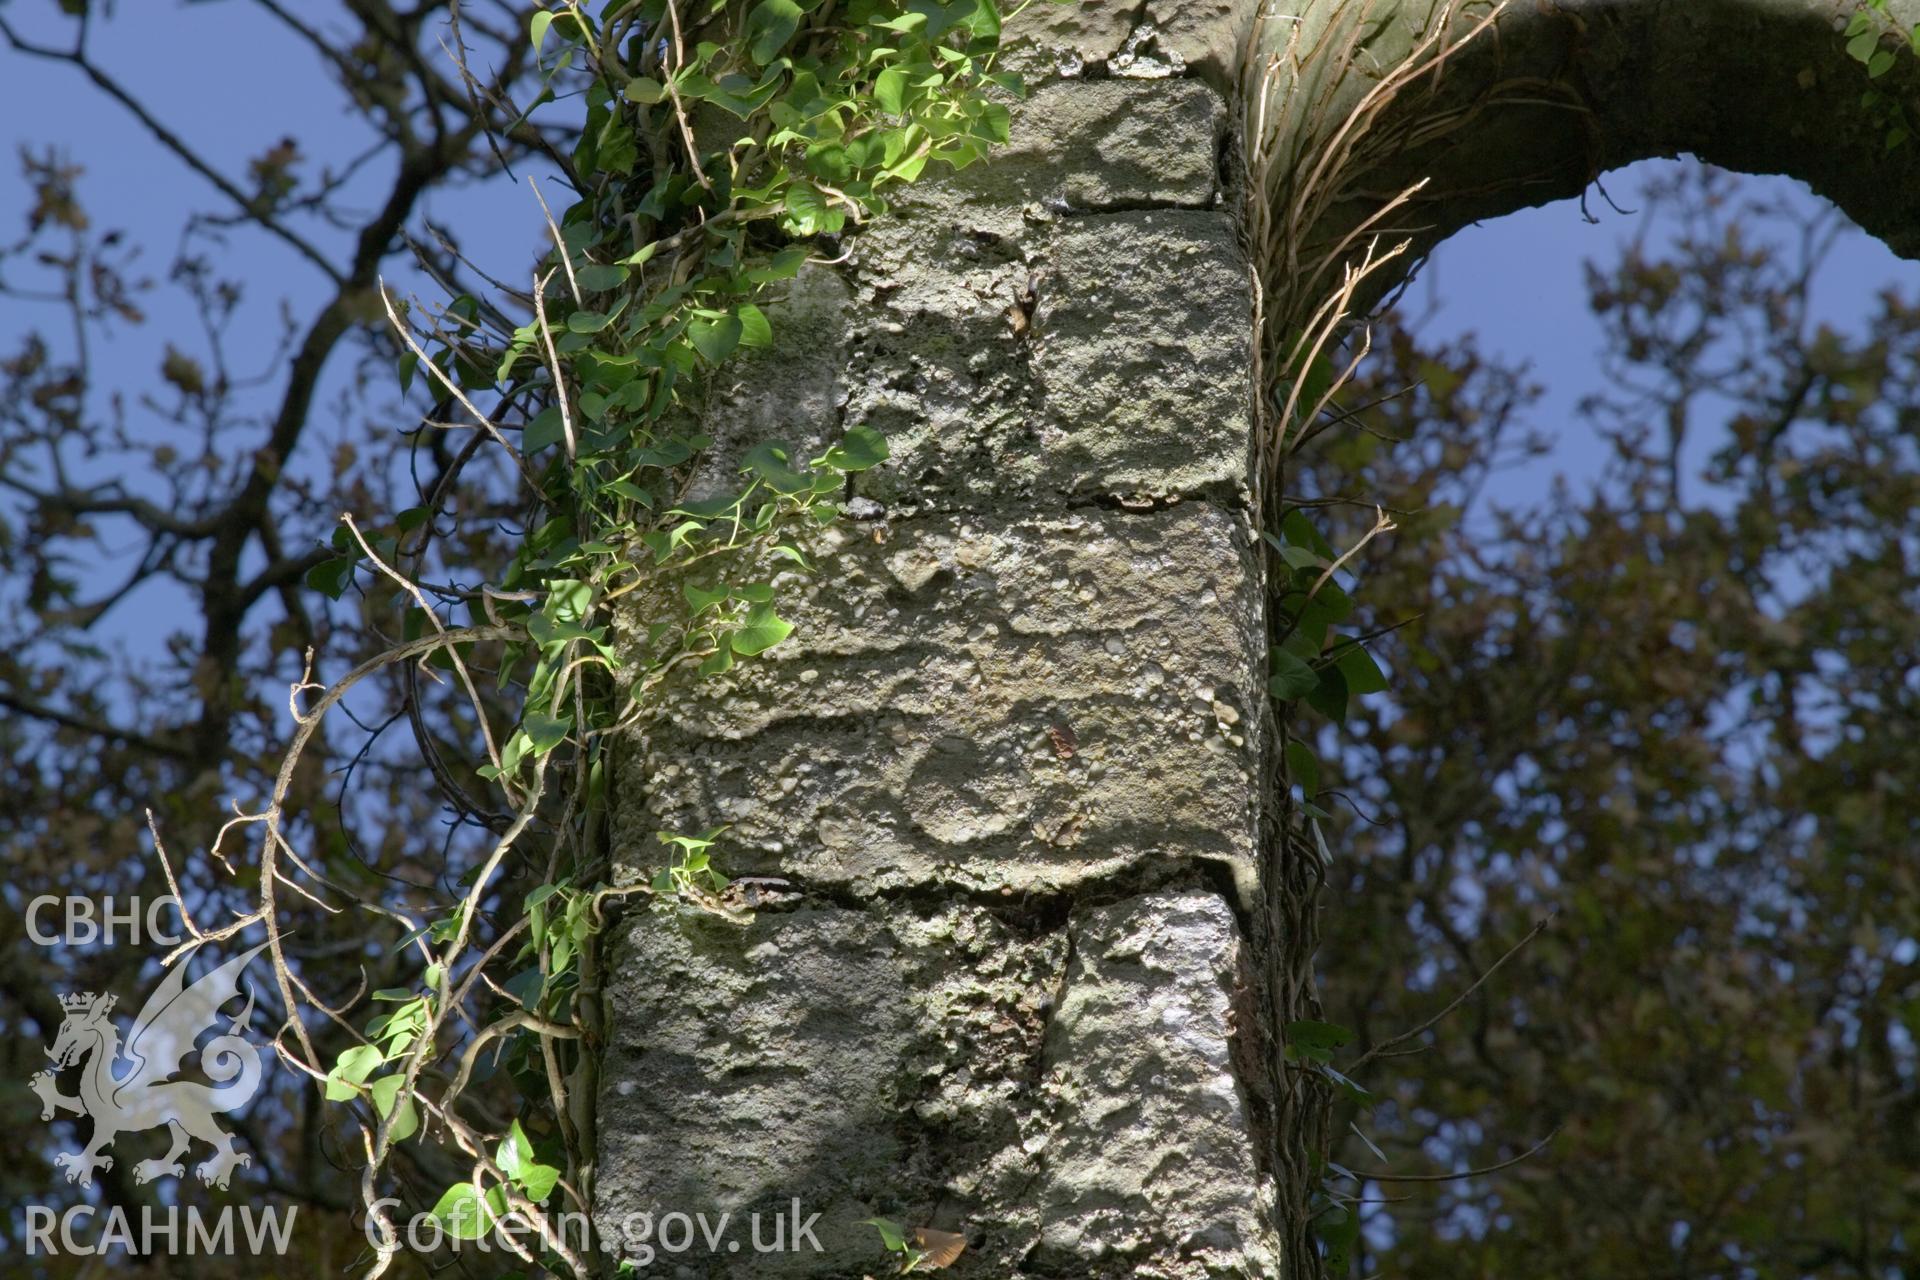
146 1097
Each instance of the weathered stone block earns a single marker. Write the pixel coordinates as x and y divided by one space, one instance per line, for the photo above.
1204 36
1056 37
1142 347
1151 1144
1125 371
1006 341
994 703
751 1069
1101 145
865 1062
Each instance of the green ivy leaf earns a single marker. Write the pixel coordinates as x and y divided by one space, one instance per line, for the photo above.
546 429
383 1092
784 265
1304 767
463 1213
515 1156
527 986
1329 695
588 321
332 577
755 330
632 492
861 448
351 1068
538 1181
771 462
809 214
1316 1041
716 339
996 122
762 630
1293 677
701 599
515 1152
769 27
1296 528
892 1234
890 90
546 732
1361 671
598 277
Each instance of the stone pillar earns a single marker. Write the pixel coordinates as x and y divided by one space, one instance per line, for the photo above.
1008 768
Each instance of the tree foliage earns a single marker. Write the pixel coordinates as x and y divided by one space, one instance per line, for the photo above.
158 523
432 831
1670 706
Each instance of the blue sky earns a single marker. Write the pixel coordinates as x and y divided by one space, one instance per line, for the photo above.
232 81
1518 283
227 77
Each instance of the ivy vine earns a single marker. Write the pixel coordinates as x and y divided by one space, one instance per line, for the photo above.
720 143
